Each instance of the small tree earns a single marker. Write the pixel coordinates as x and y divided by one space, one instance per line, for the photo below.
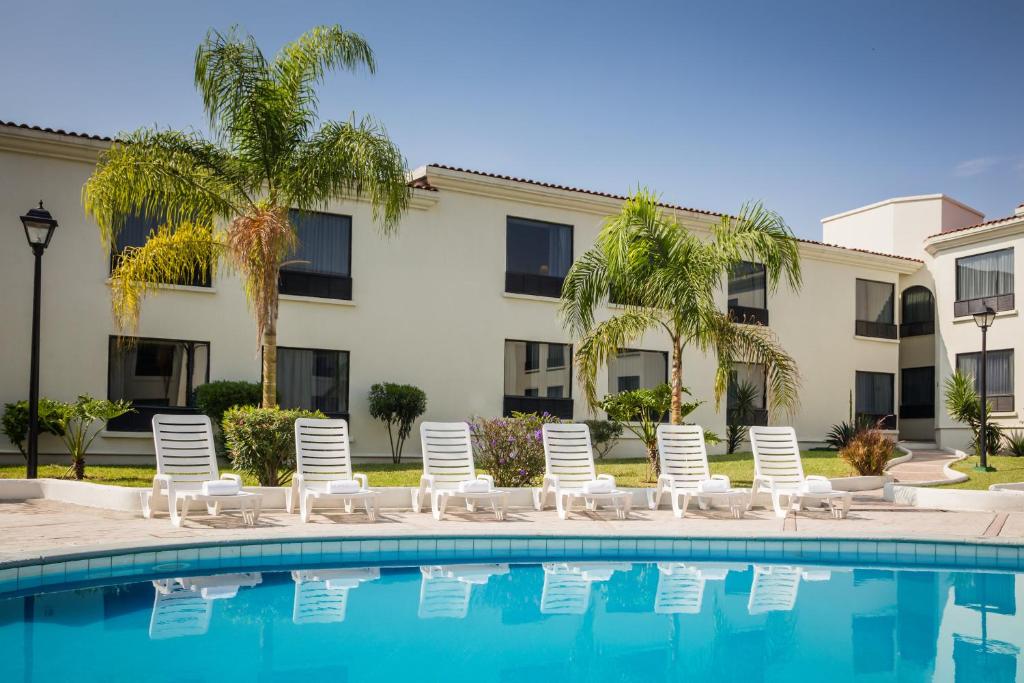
78 421
15 421
604 434
740 415
641 411
397 406
964 405
261 441
214 398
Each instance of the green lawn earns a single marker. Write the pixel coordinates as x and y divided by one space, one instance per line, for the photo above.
738 467
1008 469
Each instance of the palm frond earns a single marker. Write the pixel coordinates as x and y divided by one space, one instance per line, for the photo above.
760 235
354 159
735 342
168 176
584 288
605 340
187 253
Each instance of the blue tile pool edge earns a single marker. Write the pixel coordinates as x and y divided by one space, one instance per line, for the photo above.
92 568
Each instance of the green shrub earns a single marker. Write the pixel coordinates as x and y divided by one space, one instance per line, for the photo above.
641 411
604 434
78 420
868 452
964 405
1014 442
261 441
740 416
213 399
15 421
840 436
397 406
511 449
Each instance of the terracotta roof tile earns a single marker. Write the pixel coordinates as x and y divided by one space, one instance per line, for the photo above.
57 131
994 221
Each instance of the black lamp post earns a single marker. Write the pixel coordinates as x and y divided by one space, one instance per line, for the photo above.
984 320
39 226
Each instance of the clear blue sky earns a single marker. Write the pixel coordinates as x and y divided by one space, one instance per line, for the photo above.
814 106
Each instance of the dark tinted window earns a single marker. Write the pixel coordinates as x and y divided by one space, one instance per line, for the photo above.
313 379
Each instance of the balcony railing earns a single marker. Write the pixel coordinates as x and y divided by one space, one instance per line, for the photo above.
918 412
917 329
559 407
319 285
142 419
965 307
749 316
1001 404
869 328
531 283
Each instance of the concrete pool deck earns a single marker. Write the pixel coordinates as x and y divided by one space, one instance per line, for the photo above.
41 529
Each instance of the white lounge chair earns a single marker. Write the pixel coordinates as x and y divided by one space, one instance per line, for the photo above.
681 586
567 585
570 474
321 595
445 590
186 464
774 589
779 472
683 456
184 606
323 469
448 472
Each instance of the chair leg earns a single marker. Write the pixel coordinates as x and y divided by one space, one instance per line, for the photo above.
306 507
753 494
178 518
627 506
371 508
679 510
654 497
470 505
438 503
538 498
562 504
780 512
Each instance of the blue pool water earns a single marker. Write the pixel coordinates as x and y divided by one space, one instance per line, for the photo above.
590 619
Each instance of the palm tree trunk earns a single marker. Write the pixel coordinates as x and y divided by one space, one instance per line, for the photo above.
675 415
270 364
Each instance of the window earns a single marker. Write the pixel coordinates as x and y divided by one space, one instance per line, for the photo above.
321 263
156 375
918 314
313 379
998 378
875 309
135 233
984 280
917 393
531 388
754 375
537 256
747 293
874 400
633 369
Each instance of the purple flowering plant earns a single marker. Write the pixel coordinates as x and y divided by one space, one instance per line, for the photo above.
511 449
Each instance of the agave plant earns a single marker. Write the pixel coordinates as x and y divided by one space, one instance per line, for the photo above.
840 436
1014 442
740 415
225 200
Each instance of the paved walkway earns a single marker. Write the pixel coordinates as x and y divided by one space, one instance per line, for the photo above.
925 466
36 529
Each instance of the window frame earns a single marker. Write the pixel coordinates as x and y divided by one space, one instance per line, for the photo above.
998 302
1002 403
873 328
749 315
535 284
559 407
916 328
137 421
344 415
290 277
760 416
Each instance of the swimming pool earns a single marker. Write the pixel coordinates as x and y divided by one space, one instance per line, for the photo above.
489 609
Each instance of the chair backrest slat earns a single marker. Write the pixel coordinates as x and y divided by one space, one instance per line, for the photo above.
322 450
776 454
447 452
184 447
683 454
568 453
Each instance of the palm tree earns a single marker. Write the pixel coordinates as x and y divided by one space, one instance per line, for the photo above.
666 278
224 200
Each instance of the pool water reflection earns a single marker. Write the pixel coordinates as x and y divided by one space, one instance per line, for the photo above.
567 621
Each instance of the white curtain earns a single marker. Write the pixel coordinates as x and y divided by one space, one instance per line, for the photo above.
874 301
324 240
984 275
874 393
999 378
295 377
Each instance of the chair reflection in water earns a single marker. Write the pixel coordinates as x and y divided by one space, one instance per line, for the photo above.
681 585
774 589
321 595
445 590
183 606
567 585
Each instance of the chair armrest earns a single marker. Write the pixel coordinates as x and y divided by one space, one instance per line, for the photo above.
488 478
232 477
364 483
608 477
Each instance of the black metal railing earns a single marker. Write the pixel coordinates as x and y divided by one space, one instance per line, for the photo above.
917 329
1002 302
531 283
142 419
319 285
749 316
917 412
869 328
559 407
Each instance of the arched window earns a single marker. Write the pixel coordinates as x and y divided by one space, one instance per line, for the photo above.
918 312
